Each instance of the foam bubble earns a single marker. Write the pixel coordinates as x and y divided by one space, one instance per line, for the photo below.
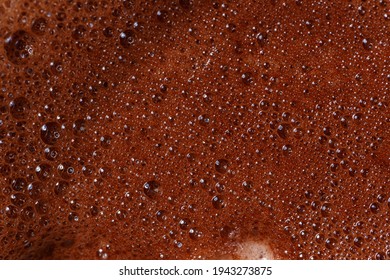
254 250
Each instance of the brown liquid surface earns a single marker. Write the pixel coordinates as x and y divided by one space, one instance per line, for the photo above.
185 129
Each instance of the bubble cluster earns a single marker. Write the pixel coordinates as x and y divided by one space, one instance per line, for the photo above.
190 129
151 189
19 107
19 47
50 133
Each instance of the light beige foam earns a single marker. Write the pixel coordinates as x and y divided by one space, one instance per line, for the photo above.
254 250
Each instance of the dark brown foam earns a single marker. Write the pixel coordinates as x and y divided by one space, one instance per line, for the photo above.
194 129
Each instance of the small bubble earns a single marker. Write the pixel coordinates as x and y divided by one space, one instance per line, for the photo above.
105 141
333 143
56 67
51 153
358 241
121 214
195 233
344 122
364 172
352 172
327 131
42 207
157 98
283 130
231 27
60 187
357 117
126 38
322 139
88 170
303 234
334 167
61 16
203 183
18 184
183 223
248 185
19 47
101 254
221 165
161 215
28 213
341 153
374 207
11 212
218 202
220 187
315 205
192 208
326 209
43 171
73 217
94 210
190 157
380 256
39 26
151 189
108 32
75 204
367 44
172 234
226 232
262 38
287 117
65 170
19 108
309 24
330 243
247 78
162 15
10 157
105 172
35 189
178 244
204 119
44 221
264 105
287 149
361 10
50 133
79 32
319 238
18 199
98 182
301 209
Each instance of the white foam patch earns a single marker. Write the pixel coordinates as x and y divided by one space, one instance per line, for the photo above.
254 250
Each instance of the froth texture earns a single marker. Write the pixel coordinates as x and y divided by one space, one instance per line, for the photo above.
191 129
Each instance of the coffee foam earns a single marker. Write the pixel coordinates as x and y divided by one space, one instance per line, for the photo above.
254 250
186 129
